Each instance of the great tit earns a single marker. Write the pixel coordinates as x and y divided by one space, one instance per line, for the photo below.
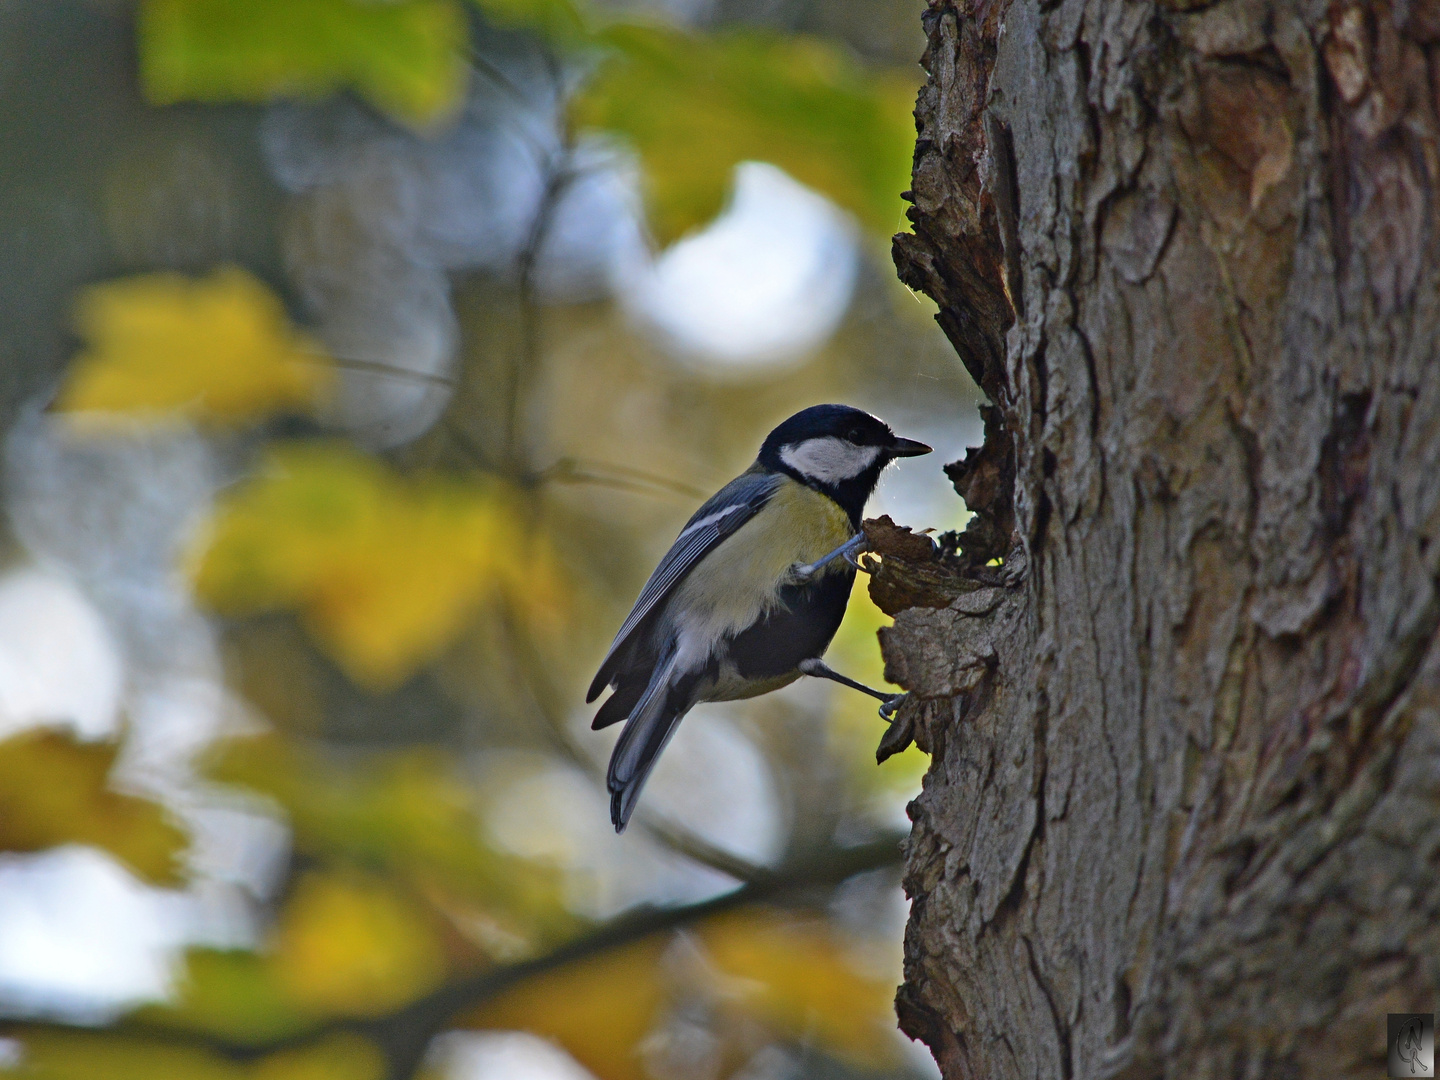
748 597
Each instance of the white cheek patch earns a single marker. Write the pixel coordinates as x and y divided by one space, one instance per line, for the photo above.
829 460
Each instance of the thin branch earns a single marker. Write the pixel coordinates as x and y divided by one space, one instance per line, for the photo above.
467 443
352 363
377 367
406 1033
558 178
581 471
485 66
515 121
560 173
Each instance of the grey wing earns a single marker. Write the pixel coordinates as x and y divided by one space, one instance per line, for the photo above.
728 509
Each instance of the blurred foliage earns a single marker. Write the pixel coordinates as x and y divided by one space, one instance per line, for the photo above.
336 1057
408 814
86 1056
695 106
757 965
216 349
407 57
385 569
231 994
465 573
793 974
560 21
55 790
353 945
599 1009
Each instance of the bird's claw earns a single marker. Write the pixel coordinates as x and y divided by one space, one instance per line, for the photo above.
849 551
888 707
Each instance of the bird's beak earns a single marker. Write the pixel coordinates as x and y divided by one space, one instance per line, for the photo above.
908 448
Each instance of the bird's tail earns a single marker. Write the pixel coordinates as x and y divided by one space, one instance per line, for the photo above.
652 722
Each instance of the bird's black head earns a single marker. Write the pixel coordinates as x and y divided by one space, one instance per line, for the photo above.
838 450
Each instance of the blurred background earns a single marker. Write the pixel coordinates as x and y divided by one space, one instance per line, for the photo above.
358 360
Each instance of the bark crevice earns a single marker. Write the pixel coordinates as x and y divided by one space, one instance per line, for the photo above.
1183 813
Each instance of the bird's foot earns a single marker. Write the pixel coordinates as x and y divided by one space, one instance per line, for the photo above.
849 551
889 705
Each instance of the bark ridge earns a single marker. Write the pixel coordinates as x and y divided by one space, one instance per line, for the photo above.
1183 813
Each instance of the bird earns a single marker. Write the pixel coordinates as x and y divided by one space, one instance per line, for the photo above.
752 591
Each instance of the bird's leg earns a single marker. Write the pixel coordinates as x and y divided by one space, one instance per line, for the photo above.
820 670
847 551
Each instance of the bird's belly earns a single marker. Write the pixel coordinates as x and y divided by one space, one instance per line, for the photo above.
730 685
740 617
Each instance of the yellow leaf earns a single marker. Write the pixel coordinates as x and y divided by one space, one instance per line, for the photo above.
353 945
339 1057
793 974
56 1054
215 349
384 570
406 56
696 105
597 1009
53 790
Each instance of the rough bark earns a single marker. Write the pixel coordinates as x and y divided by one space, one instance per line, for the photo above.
1183 814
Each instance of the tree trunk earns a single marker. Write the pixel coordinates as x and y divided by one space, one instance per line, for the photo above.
1183 814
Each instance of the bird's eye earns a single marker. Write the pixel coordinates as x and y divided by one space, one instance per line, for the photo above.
853 435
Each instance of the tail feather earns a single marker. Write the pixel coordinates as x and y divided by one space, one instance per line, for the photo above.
649 729
619 705
625 793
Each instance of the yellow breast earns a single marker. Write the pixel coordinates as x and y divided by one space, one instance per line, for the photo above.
738 581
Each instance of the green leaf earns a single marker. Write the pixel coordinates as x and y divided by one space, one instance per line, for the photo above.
57 1054
696 106
234 995
406 57
559 21
341 1056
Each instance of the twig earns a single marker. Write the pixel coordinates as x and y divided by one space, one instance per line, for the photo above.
406 1033
623 477
518 126
485 66
560 173
391 371
463 439
557 179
